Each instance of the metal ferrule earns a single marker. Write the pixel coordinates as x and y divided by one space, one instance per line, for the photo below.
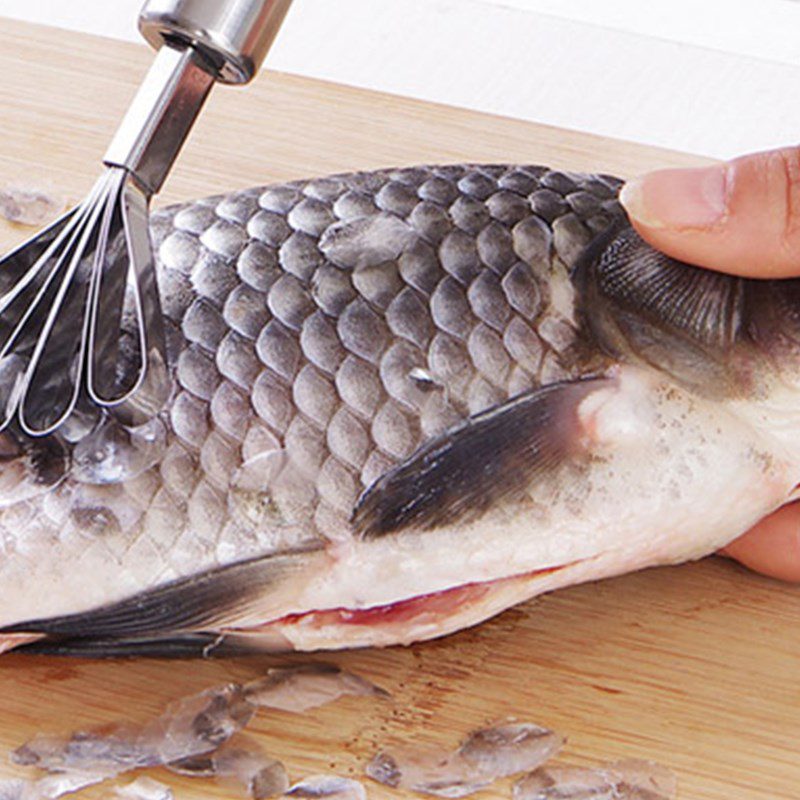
232 35
160 117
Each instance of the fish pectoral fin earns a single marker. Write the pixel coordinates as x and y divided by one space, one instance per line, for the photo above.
170 614
490 457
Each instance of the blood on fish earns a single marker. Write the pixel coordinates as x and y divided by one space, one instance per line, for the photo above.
435 603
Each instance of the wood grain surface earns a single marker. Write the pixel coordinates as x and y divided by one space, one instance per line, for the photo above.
696 666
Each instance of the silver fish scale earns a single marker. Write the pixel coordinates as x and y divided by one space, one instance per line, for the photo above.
321 331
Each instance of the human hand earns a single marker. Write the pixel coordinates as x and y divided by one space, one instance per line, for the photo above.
741 217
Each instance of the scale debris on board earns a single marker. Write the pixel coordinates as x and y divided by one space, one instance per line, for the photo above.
200 736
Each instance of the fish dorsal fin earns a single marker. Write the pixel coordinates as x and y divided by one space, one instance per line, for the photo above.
487 459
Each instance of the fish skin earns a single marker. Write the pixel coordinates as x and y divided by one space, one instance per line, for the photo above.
322 332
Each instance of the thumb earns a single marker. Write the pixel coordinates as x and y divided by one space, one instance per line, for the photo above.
741 216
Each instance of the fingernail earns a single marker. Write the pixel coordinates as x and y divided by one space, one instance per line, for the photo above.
677 198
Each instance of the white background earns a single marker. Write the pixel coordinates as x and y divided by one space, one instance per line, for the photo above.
716 77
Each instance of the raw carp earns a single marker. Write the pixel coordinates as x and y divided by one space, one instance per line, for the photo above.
403 401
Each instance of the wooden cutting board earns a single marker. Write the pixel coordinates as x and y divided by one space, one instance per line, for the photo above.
697 666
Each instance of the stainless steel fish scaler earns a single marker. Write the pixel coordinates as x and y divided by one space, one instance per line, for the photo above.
65 293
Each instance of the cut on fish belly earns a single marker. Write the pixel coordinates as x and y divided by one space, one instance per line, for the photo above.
402 402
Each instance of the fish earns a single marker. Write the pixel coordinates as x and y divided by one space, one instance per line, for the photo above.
402 402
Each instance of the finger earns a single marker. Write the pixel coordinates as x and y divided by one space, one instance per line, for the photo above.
742 216
773 546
